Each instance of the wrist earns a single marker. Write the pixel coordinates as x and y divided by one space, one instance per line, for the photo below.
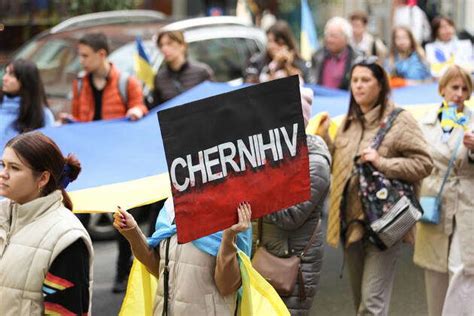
229 235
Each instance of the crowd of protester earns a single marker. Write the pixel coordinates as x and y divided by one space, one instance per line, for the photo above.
34 174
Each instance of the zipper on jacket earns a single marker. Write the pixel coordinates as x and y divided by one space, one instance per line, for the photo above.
9 233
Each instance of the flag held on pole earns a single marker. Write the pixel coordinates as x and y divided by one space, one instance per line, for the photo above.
143 68
309 39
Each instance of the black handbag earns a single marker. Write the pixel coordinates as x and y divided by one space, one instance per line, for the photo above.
389 205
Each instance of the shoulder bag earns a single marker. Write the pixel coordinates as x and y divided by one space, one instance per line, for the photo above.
432 204
281 273
389 205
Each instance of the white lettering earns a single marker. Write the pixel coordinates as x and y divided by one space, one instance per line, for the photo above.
255 152
174 181
195 168
245 153
227 159
291 145
211 163
270 146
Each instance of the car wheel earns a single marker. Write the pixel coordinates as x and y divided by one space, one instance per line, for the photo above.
100 226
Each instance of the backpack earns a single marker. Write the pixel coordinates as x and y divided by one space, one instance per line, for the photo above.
122 85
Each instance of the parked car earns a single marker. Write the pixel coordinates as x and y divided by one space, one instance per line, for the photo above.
224 43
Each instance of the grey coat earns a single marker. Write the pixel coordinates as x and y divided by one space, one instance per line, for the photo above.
288 231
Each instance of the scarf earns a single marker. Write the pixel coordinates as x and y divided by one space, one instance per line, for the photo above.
451 119
165 228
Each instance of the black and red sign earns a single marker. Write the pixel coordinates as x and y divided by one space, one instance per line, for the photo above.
245 145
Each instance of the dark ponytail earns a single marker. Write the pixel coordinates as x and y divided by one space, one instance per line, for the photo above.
41 154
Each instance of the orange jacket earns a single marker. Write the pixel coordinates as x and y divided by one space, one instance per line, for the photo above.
112 104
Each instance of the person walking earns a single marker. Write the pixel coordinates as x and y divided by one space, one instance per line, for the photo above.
290 231
331 64
447 49
101 91
407 59
177 74
362 40
196 278
45 253
23 104
444 250
401 155
281 58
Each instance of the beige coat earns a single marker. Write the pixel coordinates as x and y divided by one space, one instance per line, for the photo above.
32 235
432 241
403 155
193 275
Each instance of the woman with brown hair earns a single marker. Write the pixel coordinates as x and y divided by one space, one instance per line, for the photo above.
407 58
281 58
401 155
446 48
445 250
177 74
45 252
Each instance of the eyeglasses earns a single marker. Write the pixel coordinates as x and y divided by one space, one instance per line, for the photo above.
366 60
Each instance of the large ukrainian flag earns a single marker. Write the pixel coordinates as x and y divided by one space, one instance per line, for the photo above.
123 162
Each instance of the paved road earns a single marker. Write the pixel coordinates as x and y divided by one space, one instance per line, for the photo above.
333 299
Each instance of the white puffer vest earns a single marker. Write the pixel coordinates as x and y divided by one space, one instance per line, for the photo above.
32 235
192 290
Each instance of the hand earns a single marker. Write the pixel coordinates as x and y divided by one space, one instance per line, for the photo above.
323 128
468 140
123 220
66 118
134 114
370 155
244 212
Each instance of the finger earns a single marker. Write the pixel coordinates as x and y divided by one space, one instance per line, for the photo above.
240 215
248 211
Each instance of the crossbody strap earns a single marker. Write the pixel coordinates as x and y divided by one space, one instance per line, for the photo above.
450 165
313 237
385 127
166 280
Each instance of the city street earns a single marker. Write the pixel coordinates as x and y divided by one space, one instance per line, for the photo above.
333 299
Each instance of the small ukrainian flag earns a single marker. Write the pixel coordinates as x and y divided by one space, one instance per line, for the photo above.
143 68
309 39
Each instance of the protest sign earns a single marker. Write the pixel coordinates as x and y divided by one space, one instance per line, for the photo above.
245 145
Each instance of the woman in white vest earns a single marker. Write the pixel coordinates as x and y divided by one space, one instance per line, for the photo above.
196 278
45 252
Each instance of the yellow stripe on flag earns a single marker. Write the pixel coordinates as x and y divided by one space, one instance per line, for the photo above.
126 194
141 288
144 71
258 296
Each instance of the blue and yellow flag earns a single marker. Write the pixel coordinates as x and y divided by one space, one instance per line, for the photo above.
143 68
258 296
309 39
